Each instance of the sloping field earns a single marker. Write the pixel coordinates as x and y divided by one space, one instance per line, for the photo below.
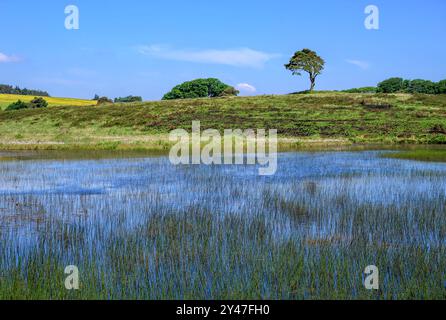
335 117
7 99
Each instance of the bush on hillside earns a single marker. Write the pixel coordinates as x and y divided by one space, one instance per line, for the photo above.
104 100
17 106
38 102
200 88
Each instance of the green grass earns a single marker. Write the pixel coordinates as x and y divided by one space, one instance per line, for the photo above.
340 117
7 99
421 155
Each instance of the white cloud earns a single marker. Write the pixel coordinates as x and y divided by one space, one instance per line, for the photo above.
246 87
361 64
243 57
5 58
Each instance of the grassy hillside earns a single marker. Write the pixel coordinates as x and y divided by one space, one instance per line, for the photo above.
337 118
7 99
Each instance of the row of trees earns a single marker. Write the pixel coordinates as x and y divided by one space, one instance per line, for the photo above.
117 100
128 99
7 89
399 85
394 85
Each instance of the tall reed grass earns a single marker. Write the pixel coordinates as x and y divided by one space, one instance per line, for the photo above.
140 228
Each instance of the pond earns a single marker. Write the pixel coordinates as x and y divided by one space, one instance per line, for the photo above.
138 227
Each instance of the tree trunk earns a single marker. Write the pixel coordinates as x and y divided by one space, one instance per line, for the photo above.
313 83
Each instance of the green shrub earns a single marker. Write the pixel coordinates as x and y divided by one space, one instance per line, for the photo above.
104 100
38 102
17 106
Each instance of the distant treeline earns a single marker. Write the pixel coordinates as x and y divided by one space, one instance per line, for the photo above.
102 100
400 85
7 89
362 90
128 99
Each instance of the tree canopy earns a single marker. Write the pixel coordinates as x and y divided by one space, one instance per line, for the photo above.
392 85
308 61
442 86
201 88
422 86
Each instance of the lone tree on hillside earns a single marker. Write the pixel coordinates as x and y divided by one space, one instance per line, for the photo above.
201 88
308 61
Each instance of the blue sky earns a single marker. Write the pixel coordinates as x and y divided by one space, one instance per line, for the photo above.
144 48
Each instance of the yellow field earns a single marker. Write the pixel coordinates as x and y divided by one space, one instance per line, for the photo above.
7 99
